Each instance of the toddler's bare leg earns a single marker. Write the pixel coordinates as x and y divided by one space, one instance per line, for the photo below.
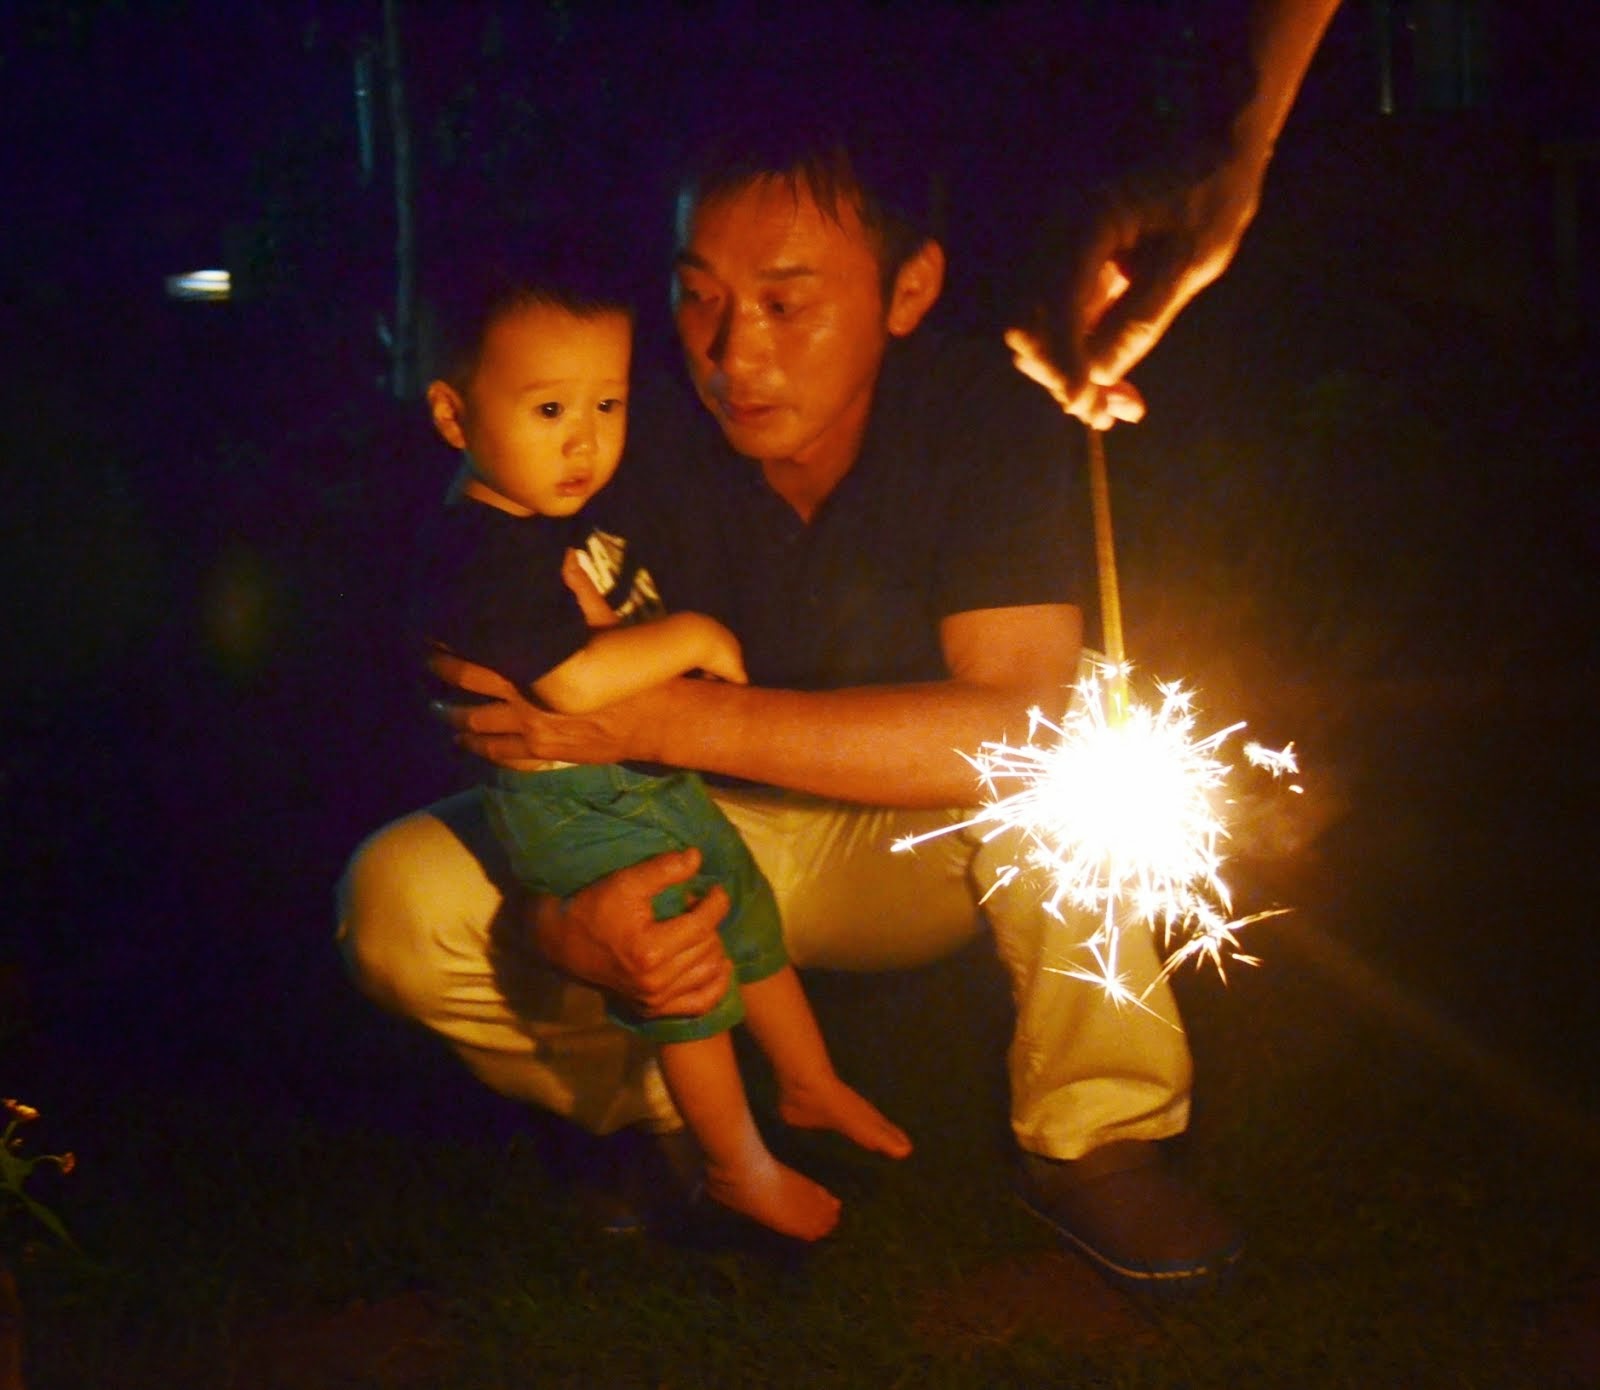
741 1173
810 1093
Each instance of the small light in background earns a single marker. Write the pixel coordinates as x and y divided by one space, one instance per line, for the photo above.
201 284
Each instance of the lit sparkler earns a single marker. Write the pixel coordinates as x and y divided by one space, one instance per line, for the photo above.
1124 816
1121 805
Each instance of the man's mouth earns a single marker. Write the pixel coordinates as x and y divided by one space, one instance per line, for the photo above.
746 412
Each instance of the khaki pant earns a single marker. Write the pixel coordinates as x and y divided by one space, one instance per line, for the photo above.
424 927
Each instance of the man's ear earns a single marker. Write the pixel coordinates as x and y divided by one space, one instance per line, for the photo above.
917 285
447 409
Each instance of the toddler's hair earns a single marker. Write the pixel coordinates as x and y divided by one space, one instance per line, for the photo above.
479 284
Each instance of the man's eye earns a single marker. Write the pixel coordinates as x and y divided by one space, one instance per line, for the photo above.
610 404
551 410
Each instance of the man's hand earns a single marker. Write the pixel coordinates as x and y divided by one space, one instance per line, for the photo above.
607 936
1149 249
1155 243
511 732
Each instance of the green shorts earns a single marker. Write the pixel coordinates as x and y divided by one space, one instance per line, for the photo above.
565 828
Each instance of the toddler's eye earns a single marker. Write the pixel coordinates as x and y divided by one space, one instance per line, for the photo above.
551 410
610 404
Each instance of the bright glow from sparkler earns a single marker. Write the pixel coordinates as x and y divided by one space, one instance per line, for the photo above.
1124 816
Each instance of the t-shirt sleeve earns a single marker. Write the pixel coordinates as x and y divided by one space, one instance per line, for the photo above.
1016 525
503 607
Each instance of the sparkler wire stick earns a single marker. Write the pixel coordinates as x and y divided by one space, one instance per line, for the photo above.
1110 597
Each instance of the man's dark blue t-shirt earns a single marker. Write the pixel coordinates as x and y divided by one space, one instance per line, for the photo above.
969 493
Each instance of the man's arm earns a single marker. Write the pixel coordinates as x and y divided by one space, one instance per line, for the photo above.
1167 238
621 661
880 745
889 745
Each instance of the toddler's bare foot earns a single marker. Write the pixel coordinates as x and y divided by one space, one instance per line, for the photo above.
775 1195
833 1105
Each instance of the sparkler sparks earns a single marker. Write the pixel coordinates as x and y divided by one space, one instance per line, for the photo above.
1277 761
1125 817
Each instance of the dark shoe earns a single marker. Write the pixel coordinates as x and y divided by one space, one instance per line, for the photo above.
625 1183
659 1190
672 1179
1122 1208
652 1183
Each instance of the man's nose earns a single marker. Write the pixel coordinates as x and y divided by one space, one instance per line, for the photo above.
740 339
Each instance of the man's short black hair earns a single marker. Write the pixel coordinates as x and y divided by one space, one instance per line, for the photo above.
838 162
480 282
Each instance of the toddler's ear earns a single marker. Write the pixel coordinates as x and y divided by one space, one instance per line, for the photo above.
448 410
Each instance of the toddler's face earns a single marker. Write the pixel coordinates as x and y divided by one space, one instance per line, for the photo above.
544 417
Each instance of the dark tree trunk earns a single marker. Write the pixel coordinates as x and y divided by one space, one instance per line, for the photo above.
403 330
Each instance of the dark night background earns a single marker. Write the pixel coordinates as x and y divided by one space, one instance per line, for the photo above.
206 505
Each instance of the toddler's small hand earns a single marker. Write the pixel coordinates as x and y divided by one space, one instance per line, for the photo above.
596 611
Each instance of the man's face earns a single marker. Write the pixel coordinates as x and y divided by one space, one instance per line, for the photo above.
544 416
780 310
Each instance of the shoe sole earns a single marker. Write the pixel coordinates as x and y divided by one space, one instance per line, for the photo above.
1172 1279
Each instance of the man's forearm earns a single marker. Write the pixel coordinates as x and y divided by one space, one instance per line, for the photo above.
1284 36
879 745
893 745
